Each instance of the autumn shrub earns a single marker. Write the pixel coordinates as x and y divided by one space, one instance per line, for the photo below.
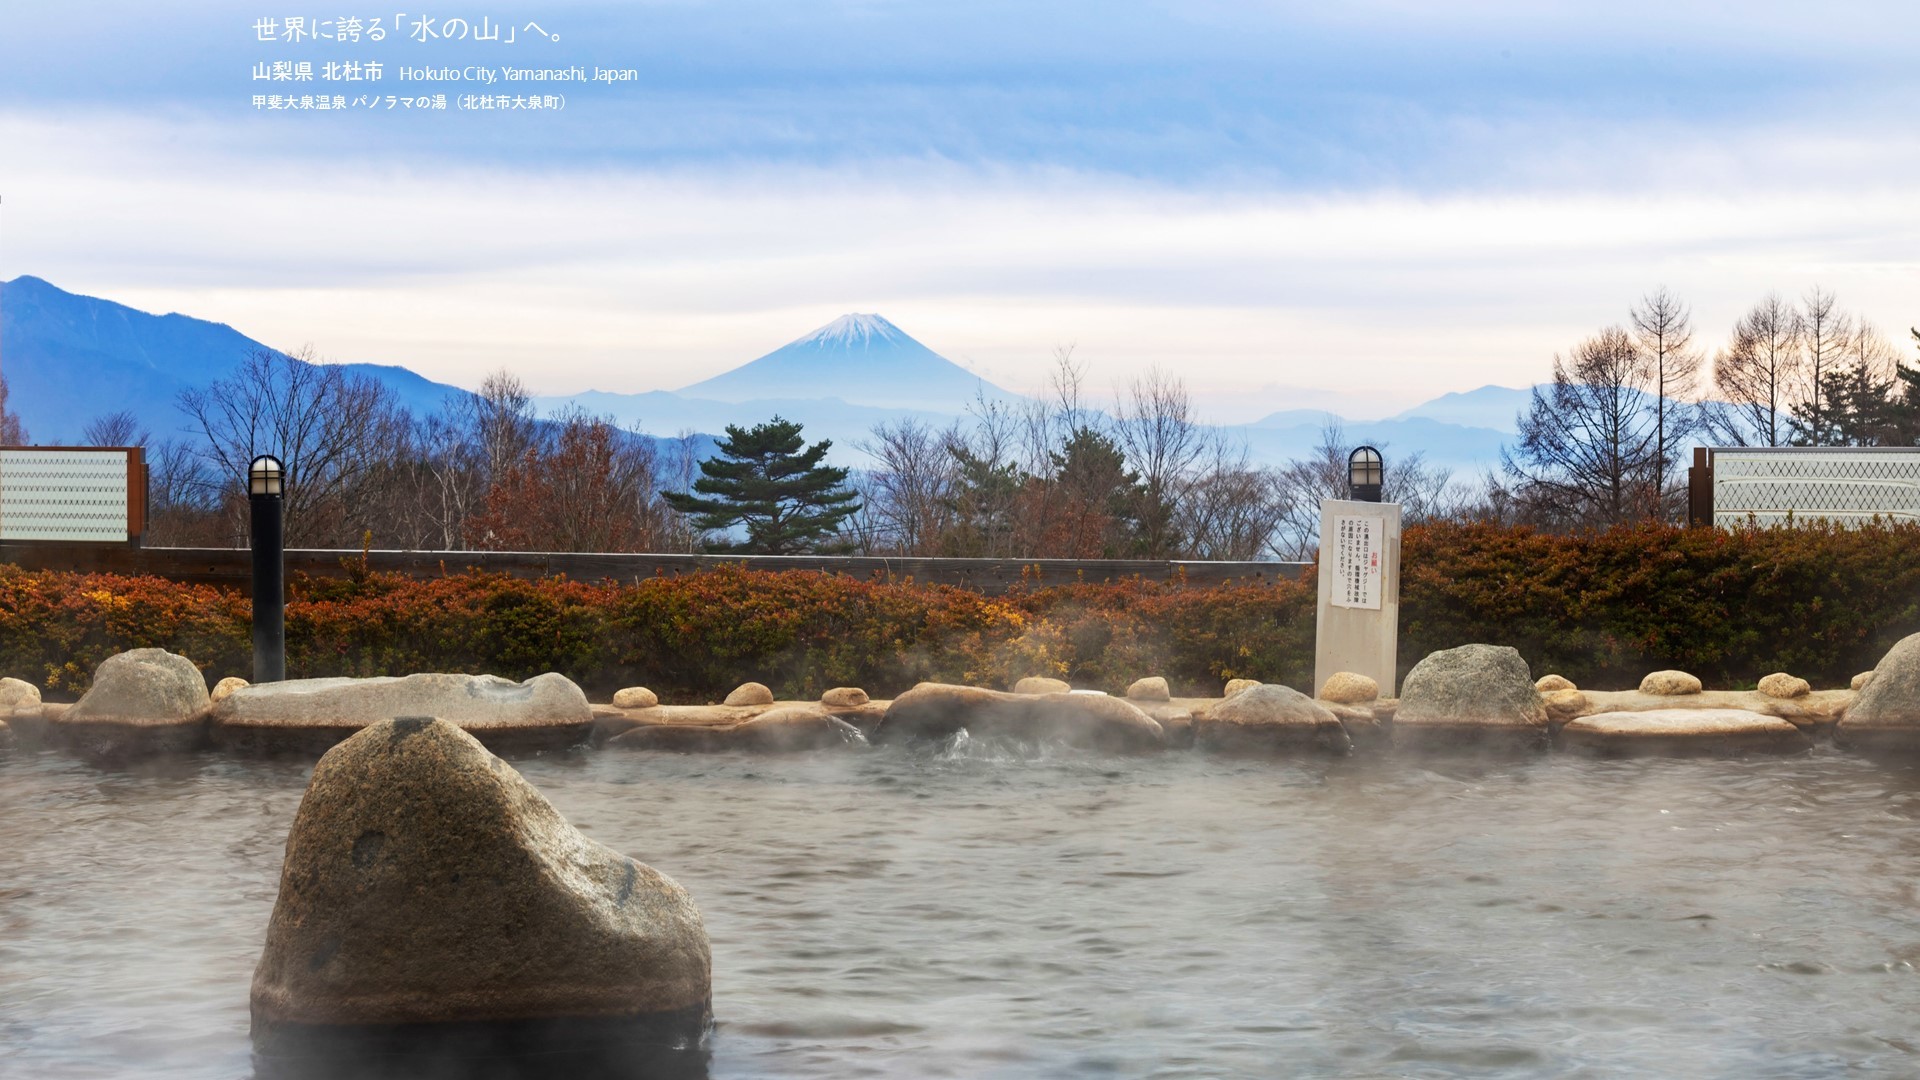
1601 608
55 628
1604 608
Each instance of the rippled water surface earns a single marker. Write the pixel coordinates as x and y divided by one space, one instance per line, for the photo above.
972 914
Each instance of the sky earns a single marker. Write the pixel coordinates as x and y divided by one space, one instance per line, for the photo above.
1354 206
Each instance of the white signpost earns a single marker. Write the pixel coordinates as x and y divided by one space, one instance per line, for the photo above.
1358 627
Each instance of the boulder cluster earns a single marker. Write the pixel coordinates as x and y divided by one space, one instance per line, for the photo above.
1475 697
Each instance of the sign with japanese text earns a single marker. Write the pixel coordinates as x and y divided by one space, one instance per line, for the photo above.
1356 562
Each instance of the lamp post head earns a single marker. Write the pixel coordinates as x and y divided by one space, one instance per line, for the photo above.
266 476
1366 473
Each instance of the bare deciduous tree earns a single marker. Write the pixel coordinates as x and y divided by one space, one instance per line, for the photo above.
1664 329
1155 428
12 433
908 497
1424 492
1587 442
587 486
1826 339
1756 374
502 420
331 429
114 429
1232 508
183 505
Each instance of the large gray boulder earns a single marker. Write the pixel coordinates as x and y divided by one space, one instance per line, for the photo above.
427 883
310 715
1269 719
1092 721
142 702
1473 696
1886 714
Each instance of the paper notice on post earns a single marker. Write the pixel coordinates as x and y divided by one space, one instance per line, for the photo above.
1356 562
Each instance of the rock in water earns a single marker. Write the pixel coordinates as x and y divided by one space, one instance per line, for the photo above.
1683 733
1234 686
1669 683
1269 719
309 715
1475 695
1151 688
18 694
635 697
750 693
1782 685
144 701
937 710
1347 688
19 700
844 697
1564 705
787 729
427 883
1041 684
1553 684
1886 714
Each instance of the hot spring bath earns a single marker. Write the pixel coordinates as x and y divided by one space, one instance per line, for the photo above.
903 912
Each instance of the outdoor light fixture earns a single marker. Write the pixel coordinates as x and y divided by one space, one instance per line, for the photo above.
1365 475
265 476
266 484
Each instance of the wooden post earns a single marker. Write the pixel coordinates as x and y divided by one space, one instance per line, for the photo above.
1700 488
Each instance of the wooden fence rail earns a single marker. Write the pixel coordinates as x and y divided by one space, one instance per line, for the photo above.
230 566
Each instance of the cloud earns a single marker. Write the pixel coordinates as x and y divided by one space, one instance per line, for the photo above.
632 280
1278 201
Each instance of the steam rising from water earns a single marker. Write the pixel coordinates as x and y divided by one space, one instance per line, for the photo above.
973 910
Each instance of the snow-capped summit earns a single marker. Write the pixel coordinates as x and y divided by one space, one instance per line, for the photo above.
856 330
859 358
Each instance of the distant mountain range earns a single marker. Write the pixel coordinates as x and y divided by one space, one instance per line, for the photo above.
69 358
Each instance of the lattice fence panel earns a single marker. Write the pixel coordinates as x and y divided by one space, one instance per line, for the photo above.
1773 487
63 495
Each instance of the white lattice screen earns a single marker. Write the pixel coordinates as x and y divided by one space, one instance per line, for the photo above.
64 494
1845 484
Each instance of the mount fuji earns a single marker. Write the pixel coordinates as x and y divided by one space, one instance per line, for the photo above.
856 358
69 358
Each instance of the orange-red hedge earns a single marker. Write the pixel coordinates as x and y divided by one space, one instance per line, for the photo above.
1600 608
690 637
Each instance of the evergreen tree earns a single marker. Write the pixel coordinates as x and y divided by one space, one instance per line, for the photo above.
787 501
1094 493
983 502
1855 408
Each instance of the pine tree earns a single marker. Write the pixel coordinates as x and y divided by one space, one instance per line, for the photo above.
765 482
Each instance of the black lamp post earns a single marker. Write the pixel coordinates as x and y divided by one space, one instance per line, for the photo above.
1365 474
266 481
